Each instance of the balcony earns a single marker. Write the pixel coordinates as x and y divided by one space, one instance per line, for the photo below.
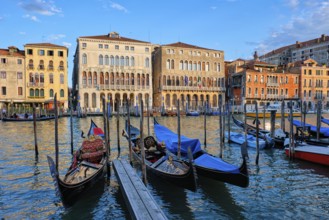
194 88
118 87
61 68
41 67
51 68
35 84
272 84
30 66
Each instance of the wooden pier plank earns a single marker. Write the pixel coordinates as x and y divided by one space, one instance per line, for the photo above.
140 202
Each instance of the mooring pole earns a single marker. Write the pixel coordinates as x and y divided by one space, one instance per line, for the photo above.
56 130
229 121
220 128
105 126
35 132
291 135
257 133
318 120
283 125
142 143
118 128
264 110
129 138
71 123
205 126
148 118
178 131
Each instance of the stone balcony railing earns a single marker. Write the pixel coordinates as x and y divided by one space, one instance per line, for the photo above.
194 88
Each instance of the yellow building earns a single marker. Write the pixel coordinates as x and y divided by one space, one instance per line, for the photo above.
12 79
189 73
114 67
46 74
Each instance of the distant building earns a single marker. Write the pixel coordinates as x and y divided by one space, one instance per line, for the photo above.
46 74
190 73
316 49
314 82
114 67
12 77
257 81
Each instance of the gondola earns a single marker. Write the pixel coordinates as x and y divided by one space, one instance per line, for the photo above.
23 119
277 140
159 163
206 164
323 133
88 167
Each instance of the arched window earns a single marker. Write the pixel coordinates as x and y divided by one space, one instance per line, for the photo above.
84 58
112 60
51 78
122 61
95 79
168 64
107 61
42 93
84 78
51 93
172 65
127 61
181 65
62 78
132 61
37 93
42 78
31 76
117 60
147 62
100 60
89 78
31 92
62 93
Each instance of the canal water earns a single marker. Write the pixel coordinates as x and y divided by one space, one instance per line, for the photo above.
279 188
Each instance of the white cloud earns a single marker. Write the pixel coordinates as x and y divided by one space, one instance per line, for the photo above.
54 37
309 21
213 7
67 44
118 7
292 3
31 17
42 7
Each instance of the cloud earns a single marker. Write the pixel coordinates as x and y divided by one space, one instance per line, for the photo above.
107 5
309 21
118 7
292 3
67 44
42 7
31 17
213 7
54 37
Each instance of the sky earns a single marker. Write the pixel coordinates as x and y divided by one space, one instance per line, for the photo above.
237 27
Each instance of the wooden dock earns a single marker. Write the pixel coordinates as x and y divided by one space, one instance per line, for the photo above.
140 202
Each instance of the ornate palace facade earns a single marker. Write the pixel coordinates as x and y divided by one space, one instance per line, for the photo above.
114 67
189 73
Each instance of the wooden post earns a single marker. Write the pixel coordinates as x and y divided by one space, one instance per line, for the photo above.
301 106
35 132
220 128
283 126
223 125
71 123
108 111
257 133
56 130
245 145
142 143
178 131
229 122
291 134
273 113
205 126
118 128
264 110
129 138
304 117
318 120
105 126
148 118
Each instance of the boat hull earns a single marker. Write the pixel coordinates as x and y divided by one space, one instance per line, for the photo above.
314 154
268 114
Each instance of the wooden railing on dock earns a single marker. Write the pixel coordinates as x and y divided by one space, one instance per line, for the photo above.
140 202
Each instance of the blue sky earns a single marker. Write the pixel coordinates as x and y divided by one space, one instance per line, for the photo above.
238 27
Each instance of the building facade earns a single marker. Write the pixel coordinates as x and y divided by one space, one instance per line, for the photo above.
316 49
314 82
46 74
190 73
12 77
256 81
114 67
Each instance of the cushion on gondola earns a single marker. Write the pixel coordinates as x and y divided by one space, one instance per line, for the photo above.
94 157
92 146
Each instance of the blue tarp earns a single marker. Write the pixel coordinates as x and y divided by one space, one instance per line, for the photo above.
325 120
323 130
170 139
216 163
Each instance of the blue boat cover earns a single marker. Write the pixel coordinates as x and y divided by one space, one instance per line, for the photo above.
170 139
216 163
323 130
325 120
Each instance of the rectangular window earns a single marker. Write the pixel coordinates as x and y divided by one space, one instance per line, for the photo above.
29 51
84 44
100 46
3 90
60 53
20 90
19 61
106 46
126 47
3 75
147 49
116 47
19 75
50 53
132 48
3 60
41 52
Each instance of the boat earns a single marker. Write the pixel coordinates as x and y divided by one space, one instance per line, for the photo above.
277 108
192 113
324 131
308 152
206 165
239 138
20 118
262 134
159 163
88 167
325 120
